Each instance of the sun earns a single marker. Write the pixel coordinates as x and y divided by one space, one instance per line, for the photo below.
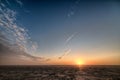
79 62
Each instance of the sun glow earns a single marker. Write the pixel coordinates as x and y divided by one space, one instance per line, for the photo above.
79 62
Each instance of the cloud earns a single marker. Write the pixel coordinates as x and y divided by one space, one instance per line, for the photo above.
7 49
7 2
65 53
66 43
48 59
70 13
77 1
14 39
73 9
70 37
19 2
4 49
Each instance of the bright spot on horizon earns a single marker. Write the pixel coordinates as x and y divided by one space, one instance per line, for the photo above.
79 62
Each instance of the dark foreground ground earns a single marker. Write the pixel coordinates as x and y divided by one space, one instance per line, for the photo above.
59 73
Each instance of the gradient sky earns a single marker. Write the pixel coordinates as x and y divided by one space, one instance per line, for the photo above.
68 31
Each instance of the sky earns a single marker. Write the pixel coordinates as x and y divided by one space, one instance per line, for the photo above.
59 32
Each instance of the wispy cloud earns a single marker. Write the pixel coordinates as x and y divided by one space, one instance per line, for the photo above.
13 38
66 44
70 37
70 13
48 59
77 1
19 2
65 53
73 9
7 2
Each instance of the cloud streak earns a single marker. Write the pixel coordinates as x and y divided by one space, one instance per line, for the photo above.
19 2
73 8
14 39
70 37
65 53
66 43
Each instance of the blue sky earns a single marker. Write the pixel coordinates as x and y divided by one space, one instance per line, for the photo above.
49 24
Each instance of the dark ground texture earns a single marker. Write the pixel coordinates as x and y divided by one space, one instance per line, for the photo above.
60 72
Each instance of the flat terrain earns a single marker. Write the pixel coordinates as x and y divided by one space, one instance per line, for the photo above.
59 72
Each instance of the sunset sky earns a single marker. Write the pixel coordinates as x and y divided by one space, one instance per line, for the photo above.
59 32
